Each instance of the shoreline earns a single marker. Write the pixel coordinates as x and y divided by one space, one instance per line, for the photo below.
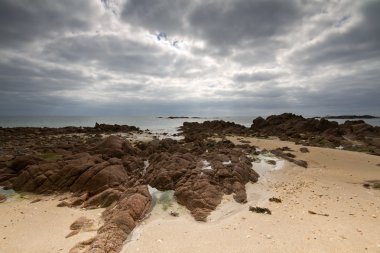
326 204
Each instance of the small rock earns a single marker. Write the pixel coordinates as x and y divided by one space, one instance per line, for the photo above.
5 158
321 214
268 236
63 203
274 199
35 201
271 162
174 214
366 185
257 209
3 198
304 150
81 222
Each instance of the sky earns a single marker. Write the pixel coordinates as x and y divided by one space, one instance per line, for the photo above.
189 57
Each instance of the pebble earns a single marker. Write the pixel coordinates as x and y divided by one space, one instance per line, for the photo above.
268 236
159 240
374 216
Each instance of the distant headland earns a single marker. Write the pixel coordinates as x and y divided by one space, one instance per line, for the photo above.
351 117
178 117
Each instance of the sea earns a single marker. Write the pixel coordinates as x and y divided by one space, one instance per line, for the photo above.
153 123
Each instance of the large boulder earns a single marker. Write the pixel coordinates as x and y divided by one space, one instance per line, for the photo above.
78 173
166 169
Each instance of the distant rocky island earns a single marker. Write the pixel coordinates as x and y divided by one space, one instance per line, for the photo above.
351 117
178 117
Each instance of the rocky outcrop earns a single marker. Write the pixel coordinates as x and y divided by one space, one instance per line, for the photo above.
114 174
194 130
120 219
352 135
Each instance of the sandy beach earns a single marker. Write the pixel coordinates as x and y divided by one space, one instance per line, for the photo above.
332 185
324 208
41 227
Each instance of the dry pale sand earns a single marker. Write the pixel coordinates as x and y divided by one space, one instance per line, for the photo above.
332 185
40 227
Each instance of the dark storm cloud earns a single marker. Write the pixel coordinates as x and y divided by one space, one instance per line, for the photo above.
116 53
255 77
157 16
107 52
359 43
239 23
234 57
222 24
26 21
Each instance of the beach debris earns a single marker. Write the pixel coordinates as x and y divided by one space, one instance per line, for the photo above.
274 199
301 163
304 150
375 184
257 209
3 198
315 213
174 214
286 148
35 200
366 185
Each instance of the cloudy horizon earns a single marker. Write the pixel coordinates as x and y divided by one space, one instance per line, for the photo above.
182 57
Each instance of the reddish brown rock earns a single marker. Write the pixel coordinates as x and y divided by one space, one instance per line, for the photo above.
3 198
199 195
81 223
120 220
166 169
20 162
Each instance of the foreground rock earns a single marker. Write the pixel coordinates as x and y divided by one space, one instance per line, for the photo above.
120 219
114 173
